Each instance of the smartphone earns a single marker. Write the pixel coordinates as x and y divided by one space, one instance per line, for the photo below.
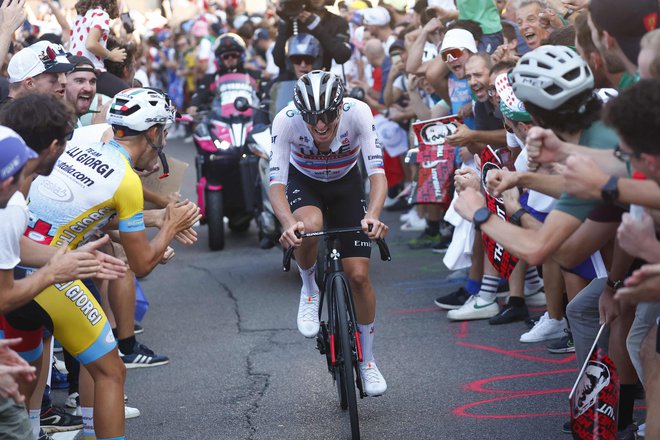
395 57
127 22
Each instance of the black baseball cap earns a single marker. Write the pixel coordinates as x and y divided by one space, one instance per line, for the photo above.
627 21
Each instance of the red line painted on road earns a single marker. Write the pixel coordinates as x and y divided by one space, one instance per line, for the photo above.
463 330
461 411
515 354
478 385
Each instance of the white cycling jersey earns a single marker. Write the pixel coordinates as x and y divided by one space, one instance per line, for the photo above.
292 143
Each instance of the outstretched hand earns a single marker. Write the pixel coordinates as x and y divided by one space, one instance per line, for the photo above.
111 267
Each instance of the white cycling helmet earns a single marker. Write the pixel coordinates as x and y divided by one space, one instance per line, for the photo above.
318 95
549 76
139 109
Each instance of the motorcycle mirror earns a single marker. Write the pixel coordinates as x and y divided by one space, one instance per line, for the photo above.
241 104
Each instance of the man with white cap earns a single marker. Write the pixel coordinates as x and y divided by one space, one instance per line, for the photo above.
38 68
377 22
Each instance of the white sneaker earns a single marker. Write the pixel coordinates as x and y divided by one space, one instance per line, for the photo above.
130 412
535 298
414 223
61 366
406 215
544 330
389 201
474 308
373 383
308 315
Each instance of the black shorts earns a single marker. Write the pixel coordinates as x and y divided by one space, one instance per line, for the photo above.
342 203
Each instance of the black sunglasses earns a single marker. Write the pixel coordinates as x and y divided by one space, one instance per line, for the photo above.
624 156
327 117
298 59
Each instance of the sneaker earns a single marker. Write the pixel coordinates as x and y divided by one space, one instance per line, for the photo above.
566 428
137 329
629 433
44 436
61 366
424 241
454 300
531 321
563 345
510 314
442 246
545 329
308 315
142 357
389 201
73 401
130 412
414 223
56 420
373 383
58 380
406 215
535 298
474 308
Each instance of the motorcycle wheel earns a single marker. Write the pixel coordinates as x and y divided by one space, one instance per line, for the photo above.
215 220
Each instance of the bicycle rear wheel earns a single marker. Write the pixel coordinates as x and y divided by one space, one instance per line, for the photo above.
344 367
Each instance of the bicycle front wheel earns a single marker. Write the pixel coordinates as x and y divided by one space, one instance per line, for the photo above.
345 359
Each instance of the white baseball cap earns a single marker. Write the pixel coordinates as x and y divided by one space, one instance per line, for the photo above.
36 59
458 39
377 16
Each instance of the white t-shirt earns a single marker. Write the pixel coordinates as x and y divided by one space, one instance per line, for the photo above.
13 221
94 18
538 201
205 53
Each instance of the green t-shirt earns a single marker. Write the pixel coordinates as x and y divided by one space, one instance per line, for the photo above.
483 12
627 80
597 136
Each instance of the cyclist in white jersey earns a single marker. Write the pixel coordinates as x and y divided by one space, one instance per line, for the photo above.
321 135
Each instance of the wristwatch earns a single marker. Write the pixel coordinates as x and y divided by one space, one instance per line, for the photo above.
515 218
480 217
614 285
609 192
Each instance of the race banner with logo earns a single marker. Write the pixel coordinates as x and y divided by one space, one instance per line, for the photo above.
594 398
436 160
501 259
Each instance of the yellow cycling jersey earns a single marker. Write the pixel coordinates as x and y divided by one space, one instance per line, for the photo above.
88 186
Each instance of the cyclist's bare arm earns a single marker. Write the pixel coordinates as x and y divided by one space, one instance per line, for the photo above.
277 195
376 200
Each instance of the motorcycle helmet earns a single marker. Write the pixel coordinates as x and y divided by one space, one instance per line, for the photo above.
304 45
229 43
550 75
318 95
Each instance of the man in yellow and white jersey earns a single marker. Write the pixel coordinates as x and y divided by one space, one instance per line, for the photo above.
90 186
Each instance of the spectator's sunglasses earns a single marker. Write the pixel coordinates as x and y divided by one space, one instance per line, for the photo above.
299 59
229 55
492 91
327 117
452 54
624 156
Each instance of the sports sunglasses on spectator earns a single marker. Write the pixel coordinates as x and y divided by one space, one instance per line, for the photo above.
624 156
228 55
452 54
492 91
328 117
298 59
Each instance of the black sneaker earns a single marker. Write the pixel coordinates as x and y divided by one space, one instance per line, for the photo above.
563 345
57 420
44 436
143 357
510 314
441 247
454 300
566 428
137 329
503 290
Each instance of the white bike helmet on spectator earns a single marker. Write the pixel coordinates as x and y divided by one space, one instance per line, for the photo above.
134 111
318 95
549 76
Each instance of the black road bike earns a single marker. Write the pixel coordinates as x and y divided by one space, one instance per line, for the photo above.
339 338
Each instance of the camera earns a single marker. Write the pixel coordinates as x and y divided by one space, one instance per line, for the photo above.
357 93
292 8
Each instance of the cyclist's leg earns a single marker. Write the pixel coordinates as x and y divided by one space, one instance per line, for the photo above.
364 295
81 326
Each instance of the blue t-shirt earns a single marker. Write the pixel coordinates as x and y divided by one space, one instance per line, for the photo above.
459 94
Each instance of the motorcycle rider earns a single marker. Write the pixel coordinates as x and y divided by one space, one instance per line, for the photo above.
312 18
229 50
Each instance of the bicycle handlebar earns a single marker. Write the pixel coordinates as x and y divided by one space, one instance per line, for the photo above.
288 253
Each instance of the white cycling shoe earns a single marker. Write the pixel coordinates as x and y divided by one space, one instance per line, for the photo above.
308 315
373 383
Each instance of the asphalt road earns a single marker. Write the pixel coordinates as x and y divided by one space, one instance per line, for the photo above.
240 370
